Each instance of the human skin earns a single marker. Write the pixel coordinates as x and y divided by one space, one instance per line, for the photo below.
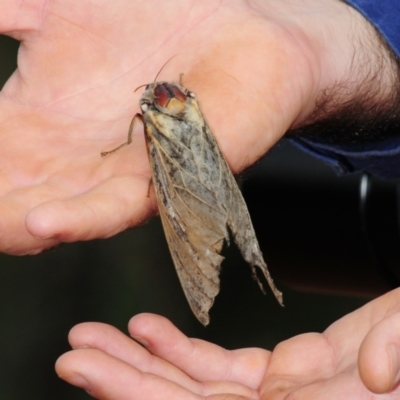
356 358
257 68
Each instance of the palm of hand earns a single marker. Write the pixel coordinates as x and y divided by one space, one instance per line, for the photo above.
73 97
350 360
341 363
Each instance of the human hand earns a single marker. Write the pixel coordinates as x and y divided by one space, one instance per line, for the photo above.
109 365
256 69
355 358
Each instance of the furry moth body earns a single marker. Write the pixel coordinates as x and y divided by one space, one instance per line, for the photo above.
198 197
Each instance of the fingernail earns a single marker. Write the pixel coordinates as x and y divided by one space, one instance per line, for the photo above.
394 355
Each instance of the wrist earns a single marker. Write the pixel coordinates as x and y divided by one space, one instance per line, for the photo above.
348 61
271 64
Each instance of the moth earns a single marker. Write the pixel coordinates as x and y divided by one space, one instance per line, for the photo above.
198 198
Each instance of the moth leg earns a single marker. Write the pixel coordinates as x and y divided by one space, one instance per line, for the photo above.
129 141
181 78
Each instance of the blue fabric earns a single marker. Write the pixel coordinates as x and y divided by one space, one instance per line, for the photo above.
385 16
380 158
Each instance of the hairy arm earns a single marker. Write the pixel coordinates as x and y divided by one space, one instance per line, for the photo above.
363 105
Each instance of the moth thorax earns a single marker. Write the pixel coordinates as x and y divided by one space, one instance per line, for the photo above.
175 106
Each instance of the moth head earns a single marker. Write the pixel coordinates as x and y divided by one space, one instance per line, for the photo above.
144 105
170 98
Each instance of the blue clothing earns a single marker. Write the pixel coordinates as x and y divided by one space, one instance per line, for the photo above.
379 158
385 16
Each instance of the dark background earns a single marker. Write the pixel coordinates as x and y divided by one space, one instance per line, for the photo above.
309 226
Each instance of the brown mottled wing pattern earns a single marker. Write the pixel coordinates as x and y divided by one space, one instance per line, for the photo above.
198 200
194 220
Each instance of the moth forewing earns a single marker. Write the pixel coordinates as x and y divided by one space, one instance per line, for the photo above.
197 195
194 225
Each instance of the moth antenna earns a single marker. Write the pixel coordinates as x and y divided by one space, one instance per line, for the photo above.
158 73
140 87
181 78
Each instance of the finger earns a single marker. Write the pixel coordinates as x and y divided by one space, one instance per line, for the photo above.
113 342
379 355
106 378
14 237
109 208
20 16
201 360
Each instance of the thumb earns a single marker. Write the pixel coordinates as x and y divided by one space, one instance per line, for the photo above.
18 18
379 355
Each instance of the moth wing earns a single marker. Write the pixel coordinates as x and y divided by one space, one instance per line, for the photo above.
240 224
200 289
194 226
